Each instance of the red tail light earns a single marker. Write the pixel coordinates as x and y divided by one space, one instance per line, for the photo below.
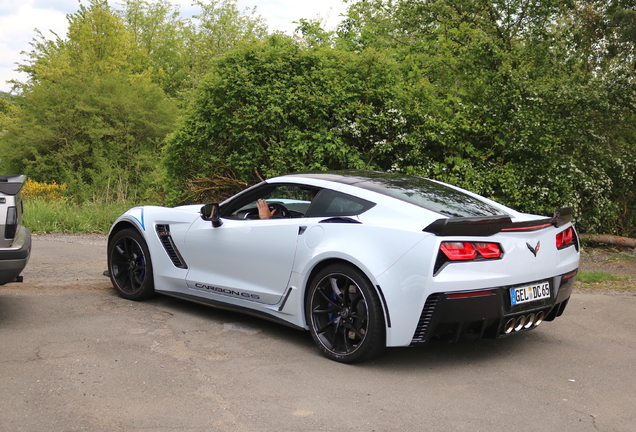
465 251
565 238
488 250
458 251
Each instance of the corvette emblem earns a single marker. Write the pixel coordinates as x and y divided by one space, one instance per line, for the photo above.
534 250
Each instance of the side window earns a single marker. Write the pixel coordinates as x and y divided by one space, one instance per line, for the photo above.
292 193
296 199
332 203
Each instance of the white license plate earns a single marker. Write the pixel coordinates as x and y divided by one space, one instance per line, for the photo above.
530 293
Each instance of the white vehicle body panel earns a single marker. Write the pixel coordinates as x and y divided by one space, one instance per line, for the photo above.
219 257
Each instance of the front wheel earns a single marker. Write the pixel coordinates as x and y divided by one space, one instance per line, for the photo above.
344 315
130 266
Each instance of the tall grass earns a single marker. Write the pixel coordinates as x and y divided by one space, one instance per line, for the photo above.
43 216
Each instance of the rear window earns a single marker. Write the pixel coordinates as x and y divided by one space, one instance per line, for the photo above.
332 203
430 195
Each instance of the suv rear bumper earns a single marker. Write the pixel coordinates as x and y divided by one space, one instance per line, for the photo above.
14 259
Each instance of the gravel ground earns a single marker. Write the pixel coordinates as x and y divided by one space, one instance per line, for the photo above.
86 239
609 260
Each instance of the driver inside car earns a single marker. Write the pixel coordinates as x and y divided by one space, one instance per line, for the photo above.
263 209
302 197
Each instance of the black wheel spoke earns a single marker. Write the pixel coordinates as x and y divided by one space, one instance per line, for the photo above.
355 299
331 309
120 277
126 247
120 250
326 297
119 261
323 328
347 343
336 331
131 278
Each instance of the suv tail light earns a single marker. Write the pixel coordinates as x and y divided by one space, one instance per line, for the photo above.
11 226
565 238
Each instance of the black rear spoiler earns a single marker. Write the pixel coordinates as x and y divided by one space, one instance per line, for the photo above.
489 225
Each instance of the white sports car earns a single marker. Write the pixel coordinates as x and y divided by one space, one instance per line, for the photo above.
363 260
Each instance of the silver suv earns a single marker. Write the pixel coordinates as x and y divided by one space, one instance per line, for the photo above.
15 240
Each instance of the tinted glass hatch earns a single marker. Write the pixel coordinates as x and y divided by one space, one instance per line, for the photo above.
419 191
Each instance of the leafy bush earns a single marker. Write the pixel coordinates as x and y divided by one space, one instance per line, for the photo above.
275 107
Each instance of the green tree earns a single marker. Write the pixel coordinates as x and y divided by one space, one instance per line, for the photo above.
8 112
603 32
162 36
99 135
218 28
89 116
273 107
178 51
97 42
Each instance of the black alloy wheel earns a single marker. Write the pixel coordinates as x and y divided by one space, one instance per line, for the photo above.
130 266
345 315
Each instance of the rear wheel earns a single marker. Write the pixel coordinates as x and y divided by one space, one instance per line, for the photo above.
345 315
130 266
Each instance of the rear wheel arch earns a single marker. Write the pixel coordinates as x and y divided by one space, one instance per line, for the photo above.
324 264
344 312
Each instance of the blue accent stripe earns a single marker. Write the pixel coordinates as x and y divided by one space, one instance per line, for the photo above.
141 222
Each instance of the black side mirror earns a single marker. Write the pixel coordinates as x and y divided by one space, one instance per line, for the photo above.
212 213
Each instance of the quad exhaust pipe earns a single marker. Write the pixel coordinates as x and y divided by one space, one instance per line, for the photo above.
523 322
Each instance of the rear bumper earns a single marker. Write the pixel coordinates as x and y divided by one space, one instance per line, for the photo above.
13 260
488 313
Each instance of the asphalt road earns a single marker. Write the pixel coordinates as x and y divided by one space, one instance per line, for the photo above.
75 357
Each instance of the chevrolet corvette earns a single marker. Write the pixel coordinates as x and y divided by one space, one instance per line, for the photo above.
363 260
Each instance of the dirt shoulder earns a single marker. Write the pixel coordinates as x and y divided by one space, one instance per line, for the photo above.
609 260
619 262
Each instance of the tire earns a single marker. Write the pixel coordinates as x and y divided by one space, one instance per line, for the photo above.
130 266
344 315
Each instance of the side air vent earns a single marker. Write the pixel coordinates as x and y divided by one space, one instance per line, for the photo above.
163 231
425 319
